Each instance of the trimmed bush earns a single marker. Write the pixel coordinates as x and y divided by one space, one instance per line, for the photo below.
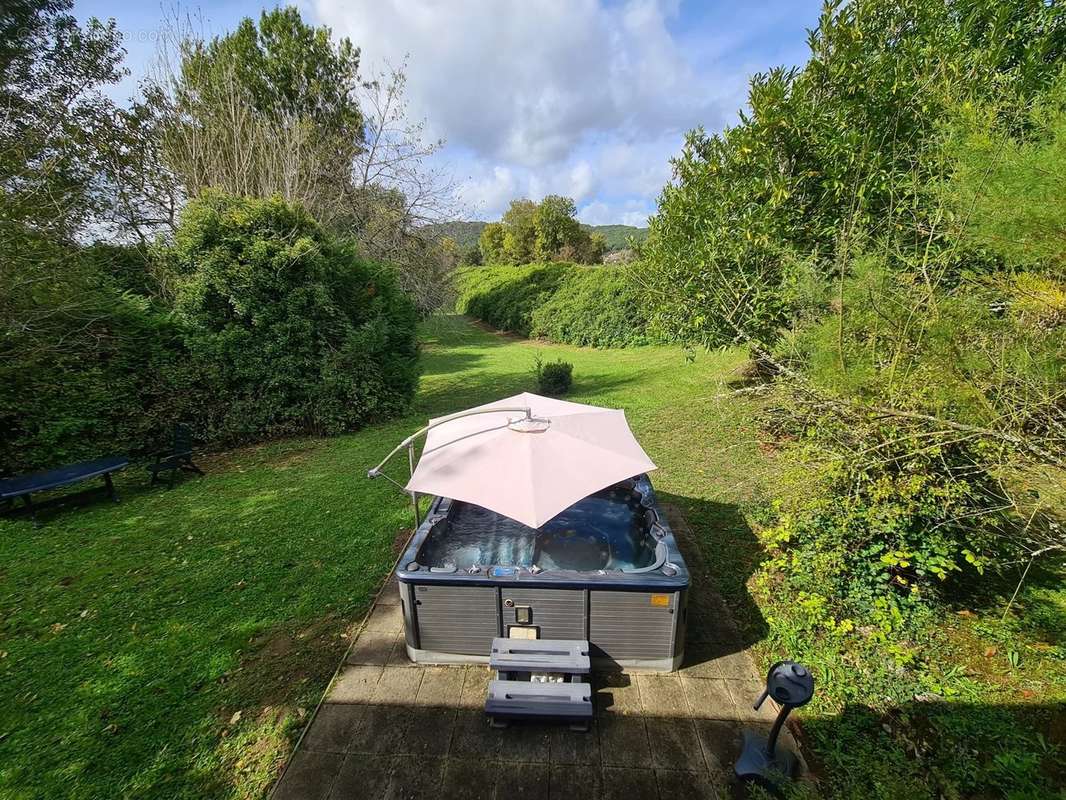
568 303
291 331
555 377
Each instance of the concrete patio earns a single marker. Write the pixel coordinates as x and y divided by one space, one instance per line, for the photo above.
391 729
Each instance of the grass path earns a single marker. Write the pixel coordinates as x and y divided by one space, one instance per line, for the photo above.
169 646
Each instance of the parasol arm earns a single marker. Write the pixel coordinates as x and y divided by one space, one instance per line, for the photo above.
410 440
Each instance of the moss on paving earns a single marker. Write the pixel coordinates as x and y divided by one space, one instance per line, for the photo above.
168 646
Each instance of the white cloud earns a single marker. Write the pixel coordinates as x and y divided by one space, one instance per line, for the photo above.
574 97
632 212
525 81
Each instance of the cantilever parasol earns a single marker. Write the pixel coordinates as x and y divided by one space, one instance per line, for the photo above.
527 457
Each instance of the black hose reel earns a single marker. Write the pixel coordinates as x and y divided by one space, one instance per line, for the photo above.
791 685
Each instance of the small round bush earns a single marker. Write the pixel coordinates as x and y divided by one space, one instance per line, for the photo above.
555 377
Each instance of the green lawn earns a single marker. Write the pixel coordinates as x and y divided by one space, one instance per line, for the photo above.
170 646
134 634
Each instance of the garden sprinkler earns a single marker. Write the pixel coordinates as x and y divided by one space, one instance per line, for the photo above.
791 685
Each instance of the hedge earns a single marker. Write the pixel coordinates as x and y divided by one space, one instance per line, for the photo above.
267 327
592 306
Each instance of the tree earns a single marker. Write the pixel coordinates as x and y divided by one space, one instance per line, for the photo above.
393 164
292 331
52 108
267 110
520 233
556 225
490 243
837 155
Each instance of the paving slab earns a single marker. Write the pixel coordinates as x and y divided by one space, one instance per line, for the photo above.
354 684
470 780
677 785
580 748
417 781
522 782
574 784
310 776
674 744
384 618
335 728
441 686
373 648
662 695
616 693
629 784
475 687
709 698
624 742
397 687
364 776
473 737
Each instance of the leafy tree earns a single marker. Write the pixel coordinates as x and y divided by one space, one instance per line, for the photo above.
1007 191
834 156
267 109
520 232
52 72
490 243
556 226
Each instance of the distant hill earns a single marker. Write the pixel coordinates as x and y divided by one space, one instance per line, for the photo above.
466 234
617 235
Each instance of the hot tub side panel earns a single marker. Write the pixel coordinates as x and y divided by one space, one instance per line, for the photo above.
641 630
456 619
631 629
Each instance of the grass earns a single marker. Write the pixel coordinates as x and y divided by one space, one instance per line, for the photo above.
171 646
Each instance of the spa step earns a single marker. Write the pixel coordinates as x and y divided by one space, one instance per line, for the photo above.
525 699
570 656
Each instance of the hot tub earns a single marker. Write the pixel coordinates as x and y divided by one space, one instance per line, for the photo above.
607 569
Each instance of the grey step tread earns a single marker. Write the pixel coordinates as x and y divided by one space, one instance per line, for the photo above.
541 655
527 699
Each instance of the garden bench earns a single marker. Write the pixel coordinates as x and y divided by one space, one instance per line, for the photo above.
25 485
178 457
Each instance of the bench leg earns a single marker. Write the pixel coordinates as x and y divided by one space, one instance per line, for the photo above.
110 487
497 722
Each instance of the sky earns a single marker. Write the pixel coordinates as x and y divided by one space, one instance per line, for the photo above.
584 98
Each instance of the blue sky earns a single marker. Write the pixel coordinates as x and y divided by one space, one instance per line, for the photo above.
587 98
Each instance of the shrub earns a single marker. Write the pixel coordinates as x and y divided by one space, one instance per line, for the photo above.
291 331
554 378
89 371
568 303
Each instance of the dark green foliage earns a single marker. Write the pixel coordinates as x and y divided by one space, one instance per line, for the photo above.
466 234
294 332
569 303
92 374
836 153
554 377
619 237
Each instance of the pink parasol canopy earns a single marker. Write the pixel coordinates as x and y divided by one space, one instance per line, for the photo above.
528 467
